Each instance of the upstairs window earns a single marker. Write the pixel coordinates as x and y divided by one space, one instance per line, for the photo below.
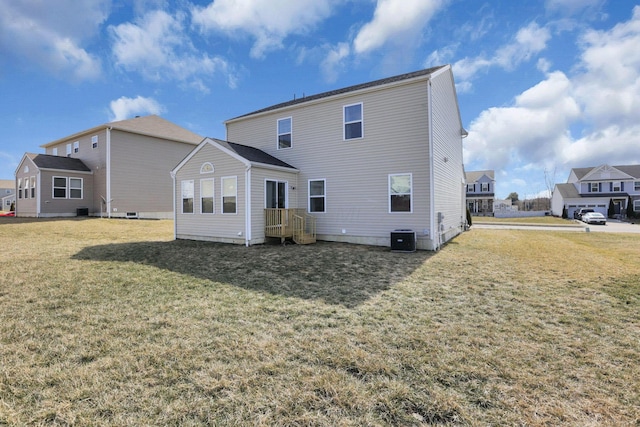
26 188
19 188
54 151
593 187
33 187
471 188
400 191
229 195
353 123
616 187
94 141
187 196
68 150
485 187
76 146
284 133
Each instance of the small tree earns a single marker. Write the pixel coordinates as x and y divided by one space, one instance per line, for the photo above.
630 212
513 196
565 213
612 210
468 217
12 208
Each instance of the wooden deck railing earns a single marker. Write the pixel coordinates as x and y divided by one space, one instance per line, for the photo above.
282 223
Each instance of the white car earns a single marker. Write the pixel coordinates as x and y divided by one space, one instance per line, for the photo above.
594 218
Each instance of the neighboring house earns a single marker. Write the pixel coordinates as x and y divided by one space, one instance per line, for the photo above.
350 165
7 193
117 169
481 186
598 188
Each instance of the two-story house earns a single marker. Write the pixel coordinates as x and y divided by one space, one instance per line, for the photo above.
118 169
350 165
598 188
7 194
481 187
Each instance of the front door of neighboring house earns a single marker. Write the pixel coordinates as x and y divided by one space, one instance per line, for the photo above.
276 194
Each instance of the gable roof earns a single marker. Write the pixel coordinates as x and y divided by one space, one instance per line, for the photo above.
568 191
152 125
47 161
631 170
380 82
7 183
473 176
250 156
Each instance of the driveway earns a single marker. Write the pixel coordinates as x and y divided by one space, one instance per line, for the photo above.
613 226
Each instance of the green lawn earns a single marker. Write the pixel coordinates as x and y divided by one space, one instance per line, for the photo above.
111 322
539 220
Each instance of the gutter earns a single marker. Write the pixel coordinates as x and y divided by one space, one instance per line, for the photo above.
432 198
247 209
108 173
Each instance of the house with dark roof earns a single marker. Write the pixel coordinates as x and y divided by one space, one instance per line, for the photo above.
350 165
117 169
599 188
481 187
7 194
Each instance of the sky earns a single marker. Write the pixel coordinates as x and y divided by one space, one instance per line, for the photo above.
543 86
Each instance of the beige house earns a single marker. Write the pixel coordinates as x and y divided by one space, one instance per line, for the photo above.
351 165
117 169
7 194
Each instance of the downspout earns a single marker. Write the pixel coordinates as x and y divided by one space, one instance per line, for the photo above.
108 173
432 198
175 210
38 194
247 196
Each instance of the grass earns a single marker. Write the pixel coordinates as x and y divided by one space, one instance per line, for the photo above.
110 322
538 220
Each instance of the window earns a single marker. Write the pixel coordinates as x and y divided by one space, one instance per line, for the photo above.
68 150
229 195
33 187
206 196
636 186
76 146
471 188
400 187
284 133
275 194
206 167
317 195
593 187
187 196
26 188
636 205
353 121
616 186
94 141
19 188
55 151
59 187
75 188
485 187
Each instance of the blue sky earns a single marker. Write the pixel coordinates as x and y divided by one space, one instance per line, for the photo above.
542 85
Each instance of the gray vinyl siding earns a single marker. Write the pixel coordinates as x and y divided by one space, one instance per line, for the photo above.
356 171
140 179
259 176
449 182
26 207
217 226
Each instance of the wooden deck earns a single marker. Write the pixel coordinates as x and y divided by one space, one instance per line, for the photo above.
294 224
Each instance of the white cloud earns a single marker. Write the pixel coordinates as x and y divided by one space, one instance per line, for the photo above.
52 34
334 61
395 20
157 47
268 22
125 108
528 42
572 6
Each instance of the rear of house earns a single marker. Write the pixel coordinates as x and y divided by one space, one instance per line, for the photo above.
362 162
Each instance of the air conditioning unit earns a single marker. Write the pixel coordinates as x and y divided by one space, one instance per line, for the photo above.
132 215
403 241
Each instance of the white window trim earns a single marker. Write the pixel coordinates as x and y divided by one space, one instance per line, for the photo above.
286 191
309 196
94 141
76 146
591 185
66 187
75 188
205 168
285 133
345 122
410 193
69 149
482 187
193 196
213 196
54 151
619 185
33 187
222 195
